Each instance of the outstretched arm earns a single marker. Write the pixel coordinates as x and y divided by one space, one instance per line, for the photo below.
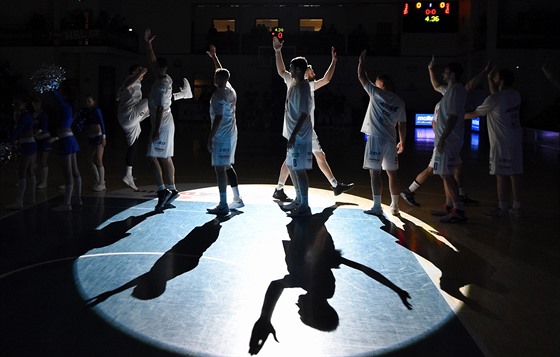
149 37
433 78
362 76
280 66
476 79
550 74
493 87
263 327
214 56
131 79
329 73
403 295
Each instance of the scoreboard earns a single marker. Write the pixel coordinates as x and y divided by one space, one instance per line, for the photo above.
430 16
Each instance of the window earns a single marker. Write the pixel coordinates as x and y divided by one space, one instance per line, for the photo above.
269 24
310 24
224 25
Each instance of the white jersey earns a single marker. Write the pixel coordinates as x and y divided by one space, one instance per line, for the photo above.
385 110
452 104
129 97
299 99
160 95
287 77
502 111
223 103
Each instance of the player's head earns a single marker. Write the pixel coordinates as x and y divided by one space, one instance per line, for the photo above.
384 81
453 72
20 101
132 70
316 312
504 76
161 65
221 76
298 66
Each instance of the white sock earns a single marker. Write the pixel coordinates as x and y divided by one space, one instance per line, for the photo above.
413 186
279 186
235 193
395 200
461 191
333 182
171 187
129 171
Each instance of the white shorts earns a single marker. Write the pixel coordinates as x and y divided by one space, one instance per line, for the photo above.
163 147
445 163
380 154
223 152
300 156
131 118
506 161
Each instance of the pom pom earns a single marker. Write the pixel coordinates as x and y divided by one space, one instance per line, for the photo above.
48 78
6 152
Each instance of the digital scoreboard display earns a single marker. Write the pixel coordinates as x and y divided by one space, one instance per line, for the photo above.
430 16
278 32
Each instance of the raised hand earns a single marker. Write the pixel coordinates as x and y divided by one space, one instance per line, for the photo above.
276 44
432 63
212 51
148 36
260 333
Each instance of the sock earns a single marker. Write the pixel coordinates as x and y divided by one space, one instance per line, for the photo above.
171 187
414 186
160 187
395 200
516 205
280 186
305 200
459 206
448 202
78 184
101 171
235 193
223 198
95 174
333 182
68 188
503 205
461 191
376 201
129 171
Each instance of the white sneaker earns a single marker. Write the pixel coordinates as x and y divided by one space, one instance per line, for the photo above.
99 188
236 204
395 211
62 208
129 181
15 206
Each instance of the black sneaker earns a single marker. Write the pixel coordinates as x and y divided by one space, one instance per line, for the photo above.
444 211
467 200
409 198
281 196
172 197
163 196
342 187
